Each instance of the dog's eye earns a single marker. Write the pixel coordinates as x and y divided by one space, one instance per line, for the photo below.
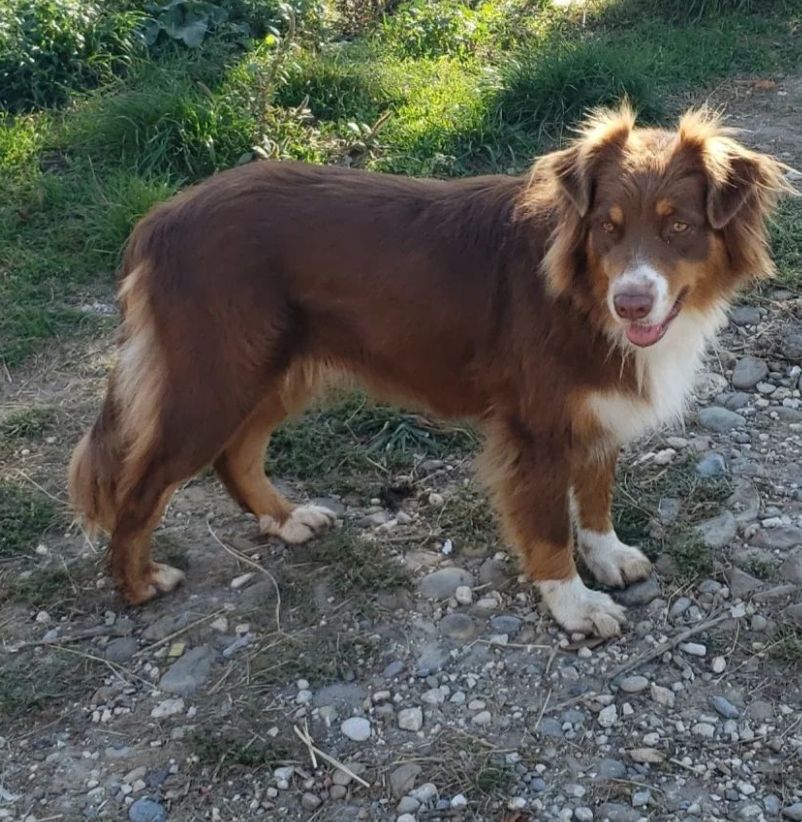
608 227
679 227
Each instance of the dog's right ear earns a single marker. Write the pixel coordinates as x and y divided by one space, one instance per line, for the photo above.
602 139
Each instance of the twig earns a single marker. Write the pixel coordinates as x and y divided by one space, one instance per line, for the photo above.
178 633
542 711
39 488
248 561
669 644
313 749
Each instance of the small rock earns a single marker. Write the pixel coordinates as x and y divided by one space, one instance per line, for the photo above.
189 673
504 624
704 730
693 648
463 595
782 538
410 719
647 756
724 707
791 569
121 650
608 716
662 696
679 607
168 707
609 768
641 593
408 805
310 801
458 626
356 728
338 791
748 372
459 801
583 814
720 420
641 798
711 465
633 684
444 583
745 315
718 665
791 345
741 584
402 779
718 531
793 811
147 810
242 580
794 614
482 718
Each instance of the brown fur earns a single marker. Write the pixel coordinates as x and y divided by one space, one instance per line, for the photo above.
481 298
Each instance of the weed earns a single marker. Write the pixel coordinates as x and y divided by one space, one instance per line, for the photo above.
27 423
691 555
787 646
24 517
227 749
42 684
361 440
467 520
786 229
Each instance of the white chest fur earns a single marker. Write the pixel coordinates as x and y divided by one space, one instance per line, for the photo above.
666 372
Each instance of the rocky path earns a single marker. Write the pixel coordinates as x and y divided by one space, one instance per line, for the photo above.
399 669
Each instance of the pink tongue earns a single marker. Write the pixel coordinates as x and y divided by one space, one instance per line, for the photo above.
644 335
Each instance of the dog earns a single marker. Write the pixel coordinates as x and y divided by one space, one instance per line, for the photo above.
565 311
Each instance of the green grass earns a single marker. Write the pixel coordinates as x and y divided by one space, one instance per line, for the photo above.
227 749
366 441
466 88
27 424
24 518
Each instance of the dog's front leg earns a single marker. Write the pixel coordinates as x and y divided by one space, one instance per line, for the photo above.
611 561
529 476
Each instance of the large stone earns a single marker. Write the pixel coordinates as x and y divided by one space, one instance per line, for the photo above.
720 420
782 538
402 779
718 531
748 372
443 584
189 673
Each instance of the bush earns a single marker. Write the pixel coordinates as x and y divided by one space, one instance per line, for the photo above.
49 48
425 29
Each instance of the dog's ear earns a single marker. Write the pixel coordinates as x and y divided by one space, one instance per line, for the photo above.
602 139
743 177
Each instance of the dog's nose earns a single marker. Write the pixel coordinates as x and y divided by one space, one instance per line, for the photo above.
633 305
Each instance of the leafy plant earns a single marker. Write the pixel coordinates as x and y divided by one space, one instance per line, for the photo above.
48 49
188 21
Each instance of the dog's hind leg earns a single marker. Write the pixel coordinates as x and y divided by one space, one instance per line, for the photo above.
241 469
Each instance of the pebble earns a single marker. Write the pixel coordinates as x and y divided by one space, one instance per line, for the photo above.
641 798
608 716
443 584
121 650
463 595
748 372
662 696
168 707
242 580
679 607
718 665
583 814
356 728
704 730
782 538
720 420
641 593
458 626
718 531
793 812
189 673
405 817
402 779
505 624
147 810
745 315
633 684
410 719
693 648
310 801
338 791
724 707
482 718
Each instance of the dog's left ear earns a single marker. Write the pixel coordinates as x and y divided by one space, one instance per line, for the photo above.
741 177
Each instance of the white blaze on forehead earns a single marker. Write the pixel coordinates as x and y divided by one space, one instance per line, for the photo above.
636 277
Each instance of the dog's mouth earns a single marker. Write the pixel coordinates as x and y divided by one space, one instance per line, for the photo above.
644 335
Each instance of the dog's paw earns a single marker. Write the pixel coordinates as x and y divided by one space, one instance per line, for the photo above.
302 524
164 577
578 609
159 579
611 562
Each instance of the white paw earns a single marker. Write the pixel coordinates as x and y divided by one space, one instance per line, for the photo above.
578 609
165 577
302 524
611 562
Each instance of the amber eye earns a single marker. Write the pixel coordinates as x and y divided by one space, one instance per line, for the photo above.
679 227
608 227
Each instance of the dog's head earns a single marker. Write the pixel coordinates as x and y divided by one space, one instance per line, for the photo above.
652 223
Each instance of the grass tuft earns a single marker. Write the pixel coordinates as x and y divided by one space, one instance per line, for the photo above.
24 518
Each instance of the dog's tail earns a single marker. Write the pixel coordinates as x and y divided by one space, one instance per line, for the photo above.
110 456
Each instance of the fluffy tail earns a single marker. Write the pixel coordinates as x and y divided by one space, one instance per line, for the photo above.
95 469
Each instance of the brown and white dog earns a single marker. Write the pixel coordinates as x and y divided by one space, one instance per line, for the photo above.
565 312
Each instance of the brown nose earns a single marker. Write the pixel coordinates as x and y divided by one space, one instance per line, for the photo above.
633 306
